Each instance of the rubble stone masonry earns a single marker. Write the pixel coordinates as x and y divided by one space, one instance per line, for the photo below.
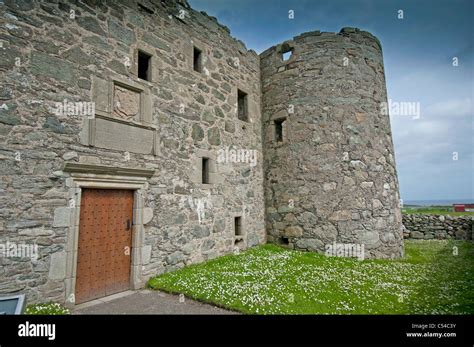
140 94
331 177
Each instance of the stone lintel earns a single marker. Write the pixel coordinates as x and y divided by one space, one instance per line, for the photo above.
107 170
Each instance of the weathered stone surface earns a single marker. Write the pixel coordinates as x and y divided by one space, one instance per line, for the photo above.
208 117
78 56
329 186
218 95
8 114
91 24
117 66
8 57
70 155
97 43
230 127
146 254
200 231
197 133
293 231
219 112
253 240
119 32
416 235
147 215
175 258
418 226
367 185
57 267
214 136
22 5
208 245
310 244
47 65
62 217
368 238
34 232
155 41
114 135
219 226
54 125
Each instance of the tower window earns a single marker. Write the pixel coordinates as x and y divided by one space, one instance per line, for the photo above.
205 170
287 55
242 105
238 226
279 134
144 66
197 60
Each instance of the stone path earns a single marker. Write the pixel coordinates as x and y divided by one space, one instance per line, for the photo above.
146 302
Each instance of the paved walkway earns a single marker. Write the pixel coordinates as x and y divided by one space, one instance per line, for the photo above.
146 302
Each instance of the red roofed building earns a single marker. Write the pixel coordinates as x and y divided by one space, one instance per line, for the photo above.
463 207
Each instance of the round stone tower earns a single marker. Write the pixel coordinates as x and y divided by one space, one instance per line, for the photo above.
329 160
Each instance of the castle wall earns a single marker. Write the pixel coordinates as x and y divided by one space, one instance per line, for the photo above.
75 115
329 159
158 130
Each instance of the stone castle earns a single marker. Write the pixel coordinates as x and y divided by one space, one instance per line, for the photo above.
138 136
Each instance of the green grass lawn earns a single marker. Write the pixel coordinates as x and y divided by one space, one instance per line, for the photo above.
438 210
272 280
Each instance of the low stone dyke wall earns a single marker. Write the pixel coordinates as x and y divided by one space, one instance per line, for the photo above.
438 227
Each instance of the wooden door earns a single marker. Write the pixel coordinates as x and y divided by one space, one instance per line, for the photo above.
105 242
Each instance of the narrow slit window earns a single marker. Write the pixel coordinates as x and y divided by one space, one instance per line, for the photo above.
238 226
144 66
197 60
145 9
279 131
242 105
205 170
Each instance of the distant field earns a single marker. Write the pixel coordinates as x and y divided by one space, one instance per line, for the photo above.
441 210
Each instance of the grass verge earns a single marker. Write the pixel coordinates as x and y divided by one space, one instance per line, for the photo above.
435 277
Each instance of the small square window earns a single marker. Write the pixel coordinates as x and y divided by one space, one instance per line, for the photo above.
205 170
144 66
242 105
279 129
238 226
286 55
197 60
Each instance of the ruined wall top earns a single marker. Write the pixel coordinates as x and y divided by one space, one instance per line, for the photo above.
181 10
317 36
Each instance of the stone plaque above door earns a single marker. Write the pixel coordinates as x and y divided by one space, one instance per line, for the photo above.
123 119
126 103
